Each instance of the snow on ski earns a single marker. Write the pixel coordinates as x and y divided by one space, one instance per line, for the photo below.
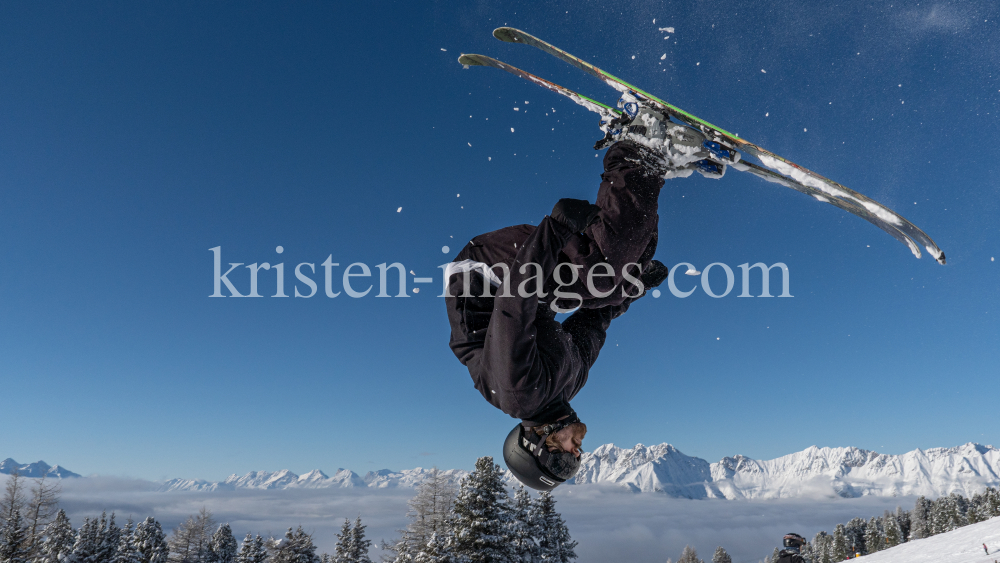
830 190
769 175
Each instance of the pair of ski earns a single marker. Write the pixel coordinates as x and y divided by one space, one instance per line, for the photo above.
785 173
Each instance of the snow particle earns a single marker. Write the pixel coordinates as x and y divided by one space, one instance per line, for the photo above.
716 337
767 114
458 195
663 56
697 64
511 129
470 144
416 290
399 210
280 249
764 71
517 109
804 129
667 29
445 50
656 294
489 158
900 85
445 250
633 57
992 258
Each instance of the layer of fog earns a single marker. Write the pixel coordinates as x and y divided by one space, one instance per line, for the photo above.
610 524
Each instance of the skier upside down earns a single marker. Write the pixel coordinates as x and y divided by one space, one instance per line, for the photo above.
596 258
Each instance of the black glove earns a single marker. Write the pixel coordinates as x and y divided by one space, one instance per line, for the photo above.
576 214
654 275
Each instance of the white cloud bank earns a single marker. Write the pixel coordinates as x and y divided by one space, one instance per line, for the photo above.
610 524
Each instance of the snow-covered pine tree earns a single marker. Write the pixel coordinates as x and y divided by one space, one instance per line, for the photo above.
436 551
359 545
903 520
252 550
945 515
720 556
820 548
58 541
86 542
127 551
150 542
554 541
920 519
992 496
296 547
772 559
890 529
874 536
481 516
855 533
839 548
524 527
342 551
222 546
14 539
688 555
109 535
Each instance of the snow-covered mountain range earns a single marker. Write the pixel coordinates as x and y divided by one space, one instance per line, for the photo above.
34 470
813 472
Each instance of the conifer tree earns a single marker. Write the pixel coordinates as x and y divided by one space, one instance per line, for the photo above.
252 550
436 551
772 559
855 533
222 546
58 541
430 509
554 541
920 519
874 537
359 545
482 517
820 548
524 527
342 551
296 547
720 556
890 528
85 546
150 542
839 549
127 551
40 511
903 520
688 555
14 539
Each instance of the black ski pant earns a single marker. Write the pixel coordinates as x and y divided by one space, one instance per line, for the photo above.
521 359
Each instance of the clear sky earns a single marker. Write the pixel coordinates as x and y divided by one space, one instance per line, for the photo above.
135 137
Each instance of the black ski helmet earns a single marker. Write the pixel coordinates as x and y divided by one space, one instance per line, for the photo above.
532 463
793 542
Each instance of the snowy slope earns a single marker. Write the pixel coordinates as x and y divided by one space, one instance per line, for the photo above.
813 472
964 545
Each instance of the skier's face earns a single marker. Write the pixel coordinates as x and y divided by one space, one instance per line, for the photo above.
570 438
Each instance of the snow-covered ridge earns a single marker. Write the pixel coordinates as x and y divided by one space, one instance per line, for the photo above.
964 545
34 470
813 472
315 479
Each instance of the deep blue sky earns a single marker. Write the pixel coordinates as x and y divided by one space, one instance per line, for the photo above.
134 137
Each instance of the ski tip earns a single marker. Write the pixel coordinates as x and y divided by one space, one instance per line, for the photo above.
508 34
469 60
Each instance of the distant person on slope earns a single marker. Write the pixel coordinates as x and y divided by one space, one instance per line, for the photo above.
505 288
792 544
985 549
